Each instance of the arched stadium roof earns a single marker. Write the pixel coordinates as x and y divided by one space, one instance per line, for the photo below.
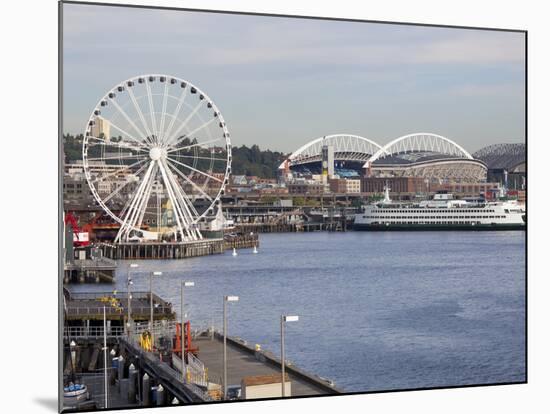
502 156
419 147
346 147
420 154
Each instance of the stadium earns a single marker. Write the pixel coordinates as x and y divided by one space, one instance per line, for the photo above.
506 164
425 155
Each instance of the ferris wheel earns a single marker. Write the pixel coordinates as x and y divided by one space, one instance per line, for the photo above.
157 157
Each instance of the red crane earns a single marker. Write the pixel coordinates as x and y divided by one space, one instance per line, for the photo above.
78 238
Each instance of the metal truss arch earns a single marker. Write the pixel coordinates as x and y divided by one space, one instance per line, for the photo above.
346 147
421 142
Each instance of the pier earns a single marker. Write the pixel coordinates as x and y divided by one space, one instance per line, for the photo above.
95 270
167 250
292 227
244 361
144 374
84 313
177 250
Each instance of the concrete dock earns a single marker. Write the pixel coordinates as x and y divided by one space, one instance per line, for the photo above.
243 361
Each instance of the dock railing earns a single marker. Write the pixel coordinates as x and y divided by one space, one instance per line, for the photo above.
196 371
85 304
167 373
92 332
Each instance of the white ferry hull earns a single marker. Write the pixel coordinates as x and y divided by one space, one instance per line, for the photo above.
436 227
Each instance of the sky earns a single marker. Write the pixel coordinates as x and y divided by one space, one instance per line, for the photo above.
282 82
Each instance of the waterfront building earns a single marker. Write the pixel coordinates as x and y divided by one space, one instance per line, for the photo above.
308 187
345 186
397 184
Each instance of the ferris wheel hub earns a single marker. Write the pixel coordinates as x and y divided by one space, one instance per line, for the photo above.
156 153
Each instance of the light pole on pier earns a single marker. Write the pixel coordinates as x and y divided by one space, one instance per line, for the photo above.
105 386
225 300
151 304
284 318
129 283
182 336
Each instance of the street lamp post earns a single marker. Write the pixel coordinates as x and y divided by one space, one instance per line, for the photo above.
105 387
284 318
151 304
129 283
182 336
225 300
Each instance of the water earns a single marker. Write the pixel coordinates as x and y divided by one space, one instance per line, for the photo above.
377 311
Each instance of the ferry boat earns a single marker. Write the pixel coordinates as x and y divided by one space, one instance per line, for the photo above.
443 212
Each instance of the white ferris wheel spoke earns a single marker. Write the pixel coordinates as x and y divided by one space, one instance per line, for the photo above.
159 214
128 119
119 188
188 205
119 157
171 197
125 228
137 141
183 195
120 170
201 127
142 208
184 206
198 144
175 206
184 123
163 117
126 206
148 135
141 204
199 158
123 145
152 109
182 175
194 169
174 116
139 193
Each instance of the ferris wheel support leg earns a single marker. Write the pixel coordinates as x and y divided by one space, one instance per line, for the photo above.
125 228
145 203
188 208
141 202
178 213
172 200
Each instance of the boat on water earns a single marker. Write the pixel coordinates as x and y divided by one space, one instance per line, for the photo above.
74 393
443 212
